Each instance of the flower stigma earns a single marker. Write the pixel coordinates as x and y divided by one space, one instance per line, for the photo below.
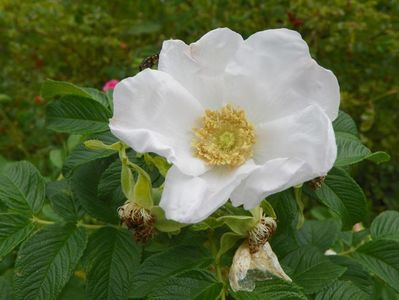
225 138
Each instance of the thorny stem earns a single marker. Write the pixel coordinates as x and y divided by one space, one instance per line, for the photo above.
217 263
299 202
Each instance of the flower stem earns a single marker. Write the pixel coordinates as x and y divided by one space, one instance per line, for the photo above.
41 221
79 224
218 269
299 203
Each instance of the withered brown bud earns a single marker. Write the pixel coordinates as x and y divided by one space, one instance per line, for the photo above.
261 233
138 220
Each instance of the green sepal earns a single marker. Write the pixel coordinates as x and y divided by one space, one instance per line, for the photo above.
159 162
239 224
162 224
268 209
99 145
142 194
227 241
127 181
209 223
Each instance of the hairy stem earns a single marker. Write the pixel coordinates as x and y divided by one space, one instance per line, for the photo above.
79 223
299 203
217 266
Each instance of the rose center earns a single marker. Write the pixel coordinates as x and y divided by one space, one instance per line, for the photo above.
225 138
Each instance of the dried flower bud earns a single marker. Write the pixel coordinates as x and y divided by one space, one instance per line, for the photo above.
137 219
248 267
261 233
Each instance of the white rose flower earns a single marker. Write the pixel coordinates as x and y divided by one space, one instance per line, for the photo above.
238 119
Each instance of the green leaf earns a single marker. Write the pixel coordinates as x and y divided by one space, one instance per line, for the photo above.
78 115
311 269
6 289
342 290
351 150
190 285
320 234
52 88
344 123
46 261
110 182
113 258
344 196
276 289
74 290
381 257
14 228
22 188
81 155
355 273
286 210
160 267
386 226
63 201
85 181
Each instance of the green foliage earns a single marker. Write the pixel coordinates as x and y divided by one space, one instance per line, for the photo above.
273 289
113 258
60 235
22 188
46 261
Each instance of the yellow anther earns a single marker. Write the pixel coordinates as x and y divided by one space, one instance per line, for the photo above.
225 138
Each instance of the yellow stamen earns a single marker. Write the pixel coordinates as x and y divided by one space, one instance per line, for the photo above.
225 138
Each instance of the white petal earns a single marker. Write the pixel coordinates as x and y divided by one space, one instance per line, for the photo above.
154 113
189 199
274 176
273 75
306 135
200 65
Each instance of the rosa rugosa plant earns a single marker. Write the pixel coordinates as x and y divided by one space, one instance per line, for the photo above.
224 174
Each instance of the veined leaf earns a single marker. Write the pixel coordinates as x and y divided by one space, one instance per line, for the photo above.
320 234
386 226
190 285
276 289
14 228
78 115
52 88
47 260
284 205
343 290
85 181
344 196
311 269
6 289
113 259
63 201
355 273
22 188
381 257
160 267
81 155
344 123
351 150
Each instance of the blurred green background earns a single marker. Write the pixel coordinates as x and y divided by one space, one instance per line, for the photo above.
90 42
